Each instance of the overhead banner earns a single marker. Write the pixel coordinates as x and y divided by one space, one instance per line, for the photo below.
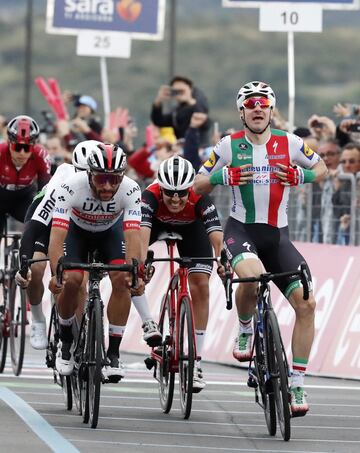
142 19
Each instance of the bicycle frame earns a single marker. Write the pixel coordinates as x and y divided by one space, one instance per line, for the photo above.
177 289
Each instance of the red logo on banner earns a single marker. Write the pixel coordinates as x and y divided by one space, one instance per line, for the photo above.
129 10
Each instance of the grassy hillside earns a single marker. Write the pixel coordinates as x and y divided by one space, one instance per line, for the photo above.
220 49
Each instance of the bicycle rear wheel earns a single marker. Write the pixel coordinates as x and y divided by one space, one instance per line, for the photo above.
186 357
4 316
95 351
267 396
18 318
279 375
166 377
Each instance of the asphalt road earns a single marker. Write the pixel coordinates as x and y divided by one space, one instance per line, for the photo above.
224 418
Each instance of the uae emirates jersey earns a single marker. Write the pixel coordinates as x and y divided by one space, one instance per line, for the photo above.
264 199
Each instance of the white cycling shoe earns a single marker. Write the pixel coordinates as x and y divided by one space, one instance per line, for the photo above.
38 337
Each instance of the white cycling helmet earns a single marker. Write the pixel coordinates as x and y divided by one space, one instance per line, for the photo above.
176 173
82 152
107 158
255 88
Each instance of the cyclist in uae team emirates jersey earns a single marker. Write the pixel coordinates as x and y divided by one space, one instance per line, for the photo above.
170 204
24 168
35 240
261 164
87 217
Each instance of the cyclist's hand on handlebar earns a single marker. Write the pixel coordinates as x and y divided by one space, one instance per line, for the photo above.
221 271
54 287
139 290
21 281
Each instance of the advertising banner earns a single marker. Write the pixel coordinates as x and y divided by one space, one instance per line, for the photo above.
143 19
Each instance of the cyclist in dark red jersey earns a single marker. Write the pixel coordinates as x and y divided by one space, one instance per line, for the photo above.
170 204
24 168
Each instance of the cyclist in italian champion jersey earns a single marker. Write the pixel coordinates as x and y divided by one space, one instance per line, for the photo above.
35 239
261 164
170 204
24 168
87 218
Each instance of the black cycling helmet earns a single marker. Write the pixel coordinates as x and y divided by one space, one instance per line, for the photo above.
23 129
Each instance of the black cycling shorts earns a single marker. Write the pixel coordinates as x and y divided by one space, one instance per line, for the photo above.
39 232
195 242
270 244
110 244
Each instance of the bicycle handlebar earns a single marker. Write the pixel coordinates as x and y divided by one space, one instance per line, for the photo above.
99 267
25 264
266 277
182 261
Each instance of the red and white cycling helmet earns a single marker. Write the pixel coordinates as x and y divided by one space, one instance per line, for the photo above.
23 129
255 88
107 158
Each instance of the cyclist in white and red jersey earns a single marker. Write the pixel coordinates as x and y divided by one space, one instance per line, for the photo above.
24 167
86 218
170 204
35 239
261 164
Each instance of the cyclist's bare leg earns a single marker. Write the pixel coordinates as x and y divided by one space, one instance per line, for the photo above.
81 298
68 299
245 295
304 328
199 290
35 290
119 304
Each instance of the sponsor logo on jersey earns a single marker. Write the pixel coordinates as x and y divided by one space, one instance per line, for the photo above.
275 145
278 156
243 146
230 241
132 190
209 209
131 225
61 198
132 212
48 207
67 188
309 153
91 206
137 201
242 156
211 162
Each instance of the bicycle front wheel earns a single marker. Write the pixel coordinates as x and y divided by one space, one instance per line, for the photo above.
277 363
186 356
17 326
4 316
166 377
266 394
95 332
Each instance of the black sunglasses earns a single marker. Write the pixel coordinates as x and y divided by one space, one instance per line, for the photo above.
179 193
18 147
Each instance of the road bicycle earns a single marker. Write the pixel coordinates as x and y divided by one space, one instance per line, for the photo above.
268 370
13 314
177 353
89 352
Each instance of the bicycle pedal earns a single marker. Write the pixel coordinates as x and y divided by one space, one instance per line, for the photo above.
150 363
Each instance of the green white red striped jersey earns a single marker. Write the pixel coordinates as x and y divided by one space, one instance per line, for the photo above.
264 199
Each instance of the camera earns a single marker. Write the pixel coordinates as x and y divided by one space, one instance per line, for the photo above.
174 92
317 124
354 127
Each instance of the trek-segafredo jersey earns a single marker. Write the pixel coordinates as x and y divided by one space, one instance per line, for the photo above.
264 199
75 200
44 211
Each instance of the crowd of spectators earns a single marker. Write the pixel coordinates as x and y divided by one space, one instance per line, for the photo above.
180 123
